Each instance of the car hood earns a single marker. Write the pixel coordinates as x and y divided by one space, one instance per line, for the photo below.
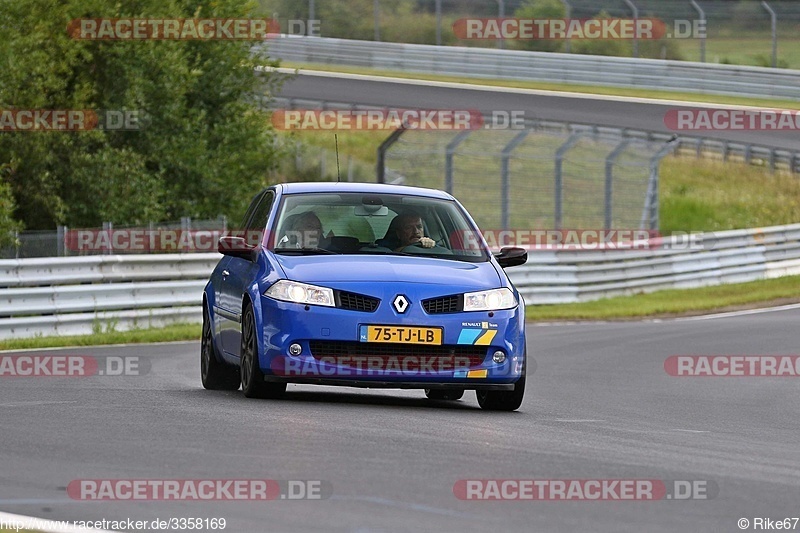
393 269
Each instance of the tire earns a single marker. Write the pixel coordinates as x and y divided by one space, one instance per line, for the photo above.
444 394
252 378
214 374
500 400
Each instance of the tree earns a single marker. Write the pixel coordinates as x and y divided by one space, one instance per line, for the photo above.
203 149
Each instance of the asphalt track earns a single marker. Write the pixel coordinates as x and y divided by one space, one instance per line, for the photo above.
599 406
542 105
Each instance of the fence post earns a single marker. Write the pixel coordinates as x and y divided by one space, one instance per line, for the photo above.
559 181
568 14
610 160
439 22
107 228
505 185
705 25
635 16
382 149
448 159
376 12
650 213
311 16
774 23
61 236
501 13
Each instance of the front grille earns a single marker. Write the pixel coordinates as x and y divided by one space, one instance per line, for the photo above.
441 356
445 304
356 302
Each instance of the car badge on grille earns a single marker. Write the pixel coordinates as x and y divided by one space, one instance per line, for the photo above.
400 303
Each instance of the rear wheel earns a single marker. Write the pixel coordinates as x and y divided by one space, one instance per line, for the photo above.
444 394
500 400
214 374
252 378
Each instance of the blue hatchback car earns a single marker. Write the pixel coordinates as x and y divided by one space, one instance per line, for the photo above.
363 285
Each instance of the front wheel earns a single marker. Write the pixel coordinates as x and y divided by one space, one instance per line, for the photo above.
253 384
444 394
494 400
214 374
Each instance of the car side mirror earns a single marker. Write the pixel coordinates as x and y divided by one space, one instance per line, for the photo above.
511 256
236 247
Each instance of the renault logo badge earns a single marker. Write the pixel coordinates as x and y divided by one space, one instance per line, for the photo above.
400 303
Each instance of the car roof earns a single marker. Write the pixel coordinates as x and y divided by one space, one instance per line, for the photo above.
366 188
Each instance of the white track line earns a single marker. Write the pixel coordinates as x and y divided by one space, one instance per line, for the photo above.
510 90
43 524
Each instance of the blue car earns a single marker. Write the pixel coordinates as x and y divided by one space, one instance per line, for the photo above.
363 285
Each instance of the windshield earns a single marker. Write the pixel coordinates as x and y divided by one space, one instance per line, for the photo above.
376 224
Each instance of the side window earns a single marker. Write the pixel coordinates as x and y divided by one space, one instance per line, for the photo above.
249 213
258 220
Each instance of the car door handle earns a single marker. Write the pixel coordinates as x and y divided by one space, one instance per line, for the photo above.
225 274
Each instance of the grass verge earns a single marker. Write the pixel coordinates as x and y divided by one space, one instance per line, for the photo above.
562 87
676 302
175 332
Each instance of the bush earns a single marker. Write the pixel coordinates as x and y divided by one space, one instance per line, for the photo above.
541 9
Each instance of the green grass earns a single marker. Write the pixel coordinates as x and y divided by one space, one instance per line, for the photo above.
568 87
755 51
704 195
176 332
675 302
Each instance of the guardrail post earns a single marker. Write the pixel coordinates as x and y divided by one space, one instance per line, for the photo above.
448 159
635 16
703 36
772 158
774 23
610 160
382 149
559 181
505 185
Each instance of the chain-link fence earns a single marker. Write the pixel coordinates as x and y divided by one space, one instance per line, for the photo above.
551 175
736 31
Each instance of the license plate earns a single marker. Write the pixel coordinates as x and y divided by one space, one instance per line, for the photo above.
401 334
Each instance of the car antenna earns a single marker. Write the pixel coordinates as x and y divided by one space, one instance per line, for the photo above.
338 173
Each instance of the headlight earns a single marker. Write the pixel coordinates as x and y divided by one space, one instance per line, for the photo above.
493 300
300 293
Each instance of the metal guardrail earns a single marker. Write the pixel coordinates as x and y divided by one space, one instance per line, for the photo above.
725 257
627 72
79 295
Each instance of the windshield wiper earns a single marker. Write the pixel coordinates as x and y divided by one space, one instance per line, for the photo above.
305 251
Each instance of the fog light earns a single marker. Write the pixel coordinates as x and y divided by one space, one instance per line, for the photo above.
499 357
295 349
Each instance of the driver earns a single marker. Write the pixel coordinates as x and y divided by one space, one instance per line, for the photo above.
410 231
